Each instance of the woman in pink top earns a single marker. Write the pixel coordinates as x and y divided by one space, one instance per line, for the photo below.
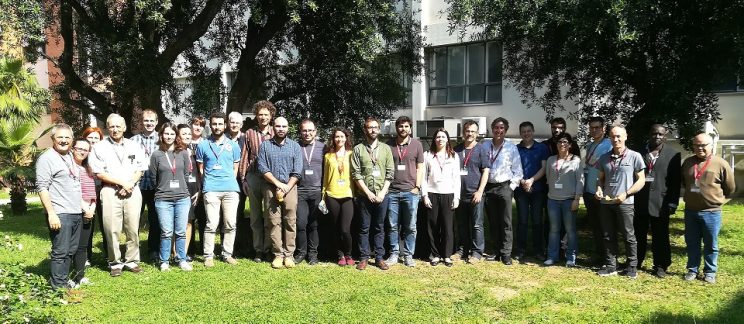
80 151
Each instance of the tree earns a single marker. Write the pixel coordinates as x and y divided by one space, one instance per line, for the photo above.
644 61
21 28
21 98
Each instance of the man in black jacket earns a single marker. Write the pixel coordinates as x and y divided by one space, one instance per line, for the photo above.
658 199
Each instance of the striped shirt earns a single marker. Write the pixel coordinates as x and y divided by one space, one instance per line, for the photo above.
149 145
283 161
249 151
87 184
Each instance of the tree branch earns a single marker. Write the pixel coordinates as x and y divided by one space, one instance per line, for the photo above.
191 32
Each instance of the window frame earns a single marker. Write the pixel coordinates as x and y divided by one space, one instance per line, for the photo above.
431 64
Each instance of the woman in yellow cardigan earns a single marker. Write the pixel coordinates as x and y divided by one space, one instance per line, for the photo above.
337 190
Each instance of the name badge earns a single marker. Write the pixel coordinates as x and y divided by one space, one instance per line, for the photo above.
613 184
376 173
217 167
463 172
341 182
558 186
174 184
649 179
694 189
191 178
401 167
309 172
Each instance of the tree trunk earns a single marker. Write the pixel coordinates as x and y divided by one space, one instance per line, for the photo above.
18 203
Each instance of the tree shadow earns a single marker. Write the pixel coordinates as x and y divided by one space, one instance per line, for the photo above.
32 223
731 313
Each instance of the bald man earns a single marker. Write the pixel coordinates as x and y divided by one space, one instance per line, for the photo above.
708 182
621 175
280 163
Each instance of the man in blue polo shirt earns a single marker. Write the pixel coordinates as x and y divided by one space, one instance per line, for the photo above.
218 159
531 194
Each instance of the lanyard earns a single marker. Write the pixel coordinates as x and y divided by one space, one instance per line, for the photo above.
591 153
115 146
309 157
402 153
494 157
340 162
466 158
191 166
652 159
172 165
563 162
69 166
374 150
614 164
441 164
698 173
217 155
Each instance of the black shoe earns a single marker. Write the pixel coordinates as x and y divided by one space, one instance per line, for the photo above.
660 273
541 257
491 258
519 257
434 262
506 260
312 260
299 258
257 260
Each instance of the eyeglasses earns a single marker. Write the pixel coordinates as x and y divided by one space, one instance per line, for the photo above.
562 142
308 130
372 127
81 150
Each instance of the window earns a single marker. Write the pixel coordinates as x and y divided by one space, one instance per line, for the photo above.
407 83
464 74
729 84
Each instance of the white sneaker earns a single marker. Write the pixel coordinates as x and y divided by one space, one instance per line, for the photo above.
185 266
164 267
85 281
73 285
549 262
571 264
393 259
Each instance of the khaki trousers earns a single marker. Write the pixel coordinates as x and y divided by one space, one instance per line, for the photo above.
280 220
118 213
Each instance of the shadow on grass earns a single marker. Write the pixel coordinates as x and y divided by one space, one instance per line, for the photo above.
730 313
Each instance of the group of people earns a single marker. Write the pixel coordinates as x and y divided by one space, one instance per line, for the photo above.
187 182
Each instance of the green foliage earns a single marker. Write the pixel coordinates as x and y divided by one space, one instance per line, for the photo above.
22 25
25 297
18 151
645 61
21 97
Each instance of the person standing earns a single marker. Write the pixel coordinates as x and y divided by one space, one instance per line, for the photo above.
474 170
280 163
183 139
594 150
708 182
565 186
621 175
253 182
408 157
658 199
94 135
337 191
88 204
217 158
169 164
372 170
119 163
441 193
148 140
57 179
200 216
531 193
242 223
558 127
309 192
504 176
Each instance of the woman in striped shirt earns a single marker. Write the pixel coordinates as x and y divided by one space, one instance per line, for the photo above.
80 150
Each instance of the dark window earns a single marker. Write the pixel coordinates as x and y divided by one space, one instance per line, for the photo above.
464 74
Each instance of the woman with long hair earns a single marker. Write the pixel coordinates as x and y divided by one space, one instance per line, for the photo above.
183 139
441 193
170 165
337 192
80 150
94 135
565 187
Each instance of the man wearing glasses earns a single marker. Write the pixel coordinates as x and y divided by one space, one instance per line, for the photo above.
594 150
309 194
658 199
708 182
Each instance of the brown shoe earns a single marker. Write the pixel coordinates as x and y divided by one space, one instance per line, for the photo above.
362 264
116 272
135 269
382 265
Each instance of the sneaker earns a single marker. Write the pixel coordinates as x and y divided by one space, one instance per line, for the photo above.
85 281
690 276
115 272
342 261
607 271
312 260
87 263
710 278
408 261
257 260
230 260
72 284
571 264
289 263
164 267
492 258
209 262
434 262
474 259
506 260
549 262
393 259
299 258
520 256
448 262
350 261
278 263
660 273
631 273
185 266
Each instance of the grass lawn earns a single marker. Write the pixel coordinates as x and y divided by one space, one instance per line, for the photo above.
252 292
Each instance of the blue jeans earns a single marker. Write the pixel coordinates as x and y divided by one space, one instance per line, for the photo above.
703 225
372 215
530 210
173 216
469 218
64 245
559 212
402 212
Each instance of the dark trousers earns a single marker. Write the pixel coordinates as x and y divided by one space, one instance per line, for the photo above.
661 249
153 224
306 242
372 219
242 246
65 242
469 220
200 223
342 213
440 229
499 211
530 207
86 232
618 217
593 217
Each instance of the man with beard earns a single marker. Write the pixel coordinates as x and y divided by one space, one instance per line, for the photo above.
119 163
558 127
58 182
658 199
404 192
280 163
148 140
252 181
309 192
217 158
372 170
594 150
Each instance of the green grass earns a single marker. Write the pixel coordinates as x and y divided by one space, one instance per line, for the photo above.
485 292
